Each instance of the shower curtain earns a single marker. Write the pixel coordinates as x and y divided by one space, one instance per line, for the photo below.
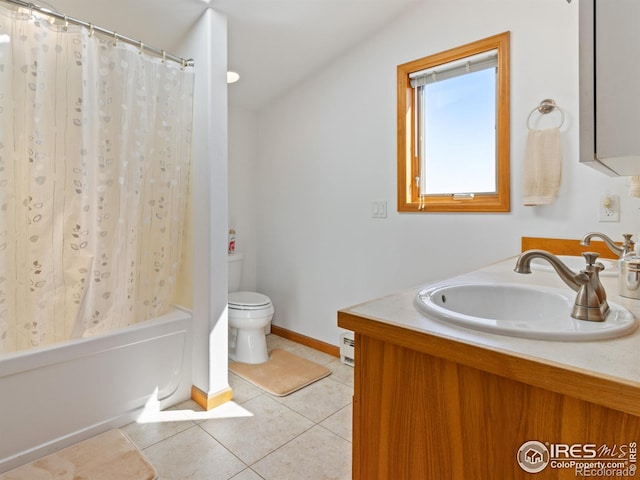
94 165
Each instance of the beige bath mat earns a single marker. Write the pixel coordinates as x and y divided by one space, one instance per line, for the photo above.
282 374
108 456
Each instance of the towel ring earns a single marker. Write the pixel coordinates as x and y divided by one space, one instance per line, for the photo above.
546 106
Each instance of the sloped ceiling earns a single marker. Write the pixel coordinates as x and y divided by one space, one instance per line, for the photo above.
273 44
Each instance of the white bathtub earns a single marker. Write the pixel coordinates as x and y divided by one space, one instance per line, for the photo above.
57 395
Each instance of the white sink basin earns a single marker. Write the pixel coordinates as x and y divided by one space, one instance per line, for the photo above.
577 263
520 311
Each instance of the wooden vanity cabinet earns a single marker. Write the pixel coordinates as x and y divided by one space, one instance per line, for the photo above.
432 408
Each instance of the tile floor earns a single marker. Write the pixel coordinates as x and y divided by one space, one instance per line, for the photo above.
305 435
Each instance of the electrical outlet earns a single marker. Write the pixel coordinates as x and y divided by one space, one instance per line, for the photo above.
609 208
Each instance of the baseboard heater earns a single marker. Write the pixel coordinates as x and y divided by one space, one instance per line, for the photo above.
347 350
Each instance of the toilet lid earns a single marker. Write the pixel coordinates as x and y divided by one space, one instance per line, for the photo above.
248 300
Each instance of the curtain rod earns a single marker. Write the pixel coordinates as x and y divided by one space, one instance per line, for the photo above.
116 36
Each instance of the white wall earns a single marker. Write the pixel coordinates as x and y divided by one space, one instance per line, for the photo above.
243 207
207 44
327 149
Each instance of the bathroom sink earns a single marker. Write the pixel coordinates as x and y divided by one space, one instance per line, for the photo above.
577 263
534 312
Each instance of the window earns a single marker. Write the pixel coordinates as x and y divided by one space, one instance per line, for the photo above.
453 130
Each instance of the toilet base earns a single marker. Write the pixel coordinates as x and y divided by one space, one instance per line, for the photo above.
248 345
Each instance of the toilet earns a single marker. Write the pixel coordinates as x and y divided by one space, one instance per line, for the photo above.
250 315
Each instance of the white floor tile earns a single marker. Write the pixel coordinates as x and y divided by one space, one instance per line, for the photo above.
319 400
317 454
274 341
150 431
247 474
252 437
193 454
242 390
311 354
340 372
341 422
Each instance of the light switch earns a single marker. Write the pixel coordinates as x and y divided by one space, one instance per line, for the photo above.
379 209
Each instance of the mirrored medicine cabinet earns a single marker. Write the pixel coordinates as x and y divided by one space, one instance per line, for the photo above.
610 85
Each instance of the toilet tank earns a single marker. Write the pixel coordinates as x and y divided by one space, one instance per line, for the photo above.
236 260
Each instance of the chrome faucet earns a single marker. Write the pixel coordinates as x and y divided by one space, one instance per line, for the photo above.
591 299
621 251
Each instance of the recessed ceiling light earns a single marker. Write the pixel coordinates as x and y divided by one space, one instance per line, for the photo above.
232 77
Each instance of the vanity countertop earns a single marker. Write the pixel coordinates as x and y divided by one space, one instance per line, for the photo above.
606 372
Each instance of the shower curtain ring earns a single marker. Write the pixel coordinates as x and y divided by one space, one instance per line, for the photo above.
164 56
91 29
115 39
66 24
141 51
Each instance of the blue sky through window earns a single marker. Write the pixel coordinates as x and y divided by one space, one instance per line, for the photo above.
459 150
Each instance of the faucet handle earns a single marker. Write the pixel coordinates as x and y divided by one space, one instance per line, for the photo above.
592 261
592 294
590 257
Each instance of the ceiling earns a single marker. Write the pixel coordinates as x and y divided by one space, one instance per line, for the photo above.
273 44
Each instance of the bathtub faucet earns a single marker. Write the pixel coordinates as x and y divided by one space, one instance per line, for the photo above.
621 251
591 299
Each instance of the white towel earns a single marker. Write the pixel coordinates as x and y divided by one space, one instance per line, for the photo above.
634 186
542 168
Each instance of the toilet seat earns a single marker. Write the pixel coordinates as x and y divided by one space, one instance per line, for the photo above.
248 301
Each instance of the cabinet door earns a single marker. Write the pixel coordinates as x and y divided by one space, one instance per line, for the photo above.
617 79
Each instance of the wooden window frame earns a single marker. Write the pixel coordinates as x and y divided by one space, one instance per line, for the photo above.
408 163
